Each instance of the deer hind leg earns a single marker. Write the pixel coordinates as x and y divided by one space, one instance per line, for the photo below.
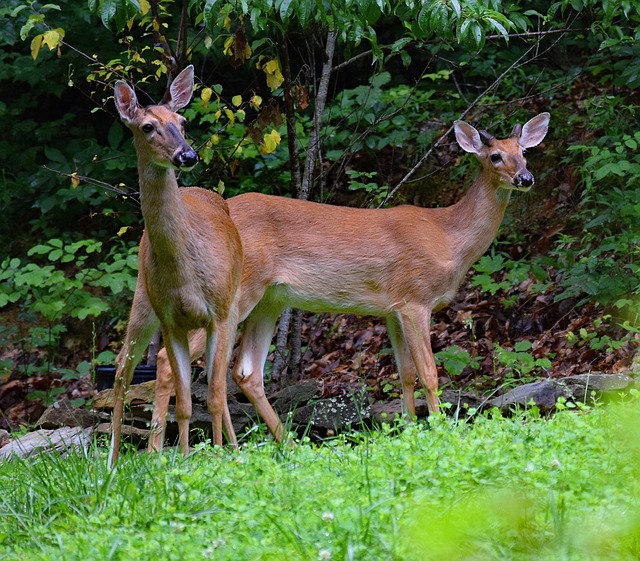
177 345
143 323
248 369
415 321
164 388
404 364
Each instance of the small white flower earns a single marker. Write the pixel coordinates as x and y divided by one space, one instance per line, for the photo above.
327 516
529 468
324 554
555 463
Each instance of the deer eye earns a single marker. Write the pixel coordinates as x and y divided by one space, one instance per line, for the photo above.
495 158
147 128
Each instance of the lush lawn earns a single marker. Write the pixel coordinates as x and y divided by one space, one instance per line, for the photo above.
525 488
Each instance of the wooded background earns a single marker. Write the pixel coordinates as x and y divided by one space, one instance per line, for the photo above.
344 102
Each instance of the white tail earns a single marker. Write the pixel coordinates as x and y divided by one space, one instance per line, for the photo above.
190 263
401 263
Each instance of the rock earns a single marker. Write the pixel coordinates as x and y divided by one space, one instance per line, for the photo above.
334 413
138 393
544 394
292 397
5 438
385 411
460 400
64 440
63 414
582 385
127 430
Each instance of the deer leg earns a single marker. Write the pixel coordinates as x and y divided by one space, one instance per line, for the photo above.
226 340
217 360
177 345
415 322
248 369
142 325
404 364
164 388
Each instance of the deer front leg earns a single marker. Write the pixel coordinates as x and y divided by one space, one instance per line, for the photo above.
142 325
217 379
177 345
165 388
415 321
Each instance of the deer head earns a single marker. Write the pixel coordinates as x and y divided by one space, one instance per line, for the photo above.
158 130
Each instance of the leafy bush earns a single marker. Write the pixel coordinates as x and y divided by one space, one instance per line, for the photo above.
67 280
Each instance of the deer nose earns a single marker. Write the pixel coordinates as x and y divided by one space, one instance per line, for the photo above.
185 158
524 179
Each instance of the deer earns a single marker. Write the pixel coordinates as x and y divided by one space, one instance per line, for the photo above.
189 266
402 263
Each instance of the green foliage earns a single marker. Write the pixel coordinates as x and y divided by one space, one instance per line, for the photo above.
560 488
604 261
63 281
519 362
497 272
455 359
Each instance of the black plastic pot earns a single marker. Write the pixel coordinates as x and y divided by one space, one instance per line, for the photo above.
106 375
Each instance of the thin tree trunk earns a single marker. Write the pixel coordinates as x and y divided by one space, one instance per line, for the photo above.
302 185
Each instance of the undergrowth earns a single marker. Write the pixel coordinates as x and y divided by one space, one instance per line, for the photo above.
562 488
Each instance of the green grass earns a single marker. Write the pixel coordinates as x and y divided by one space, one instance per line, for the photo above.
526 488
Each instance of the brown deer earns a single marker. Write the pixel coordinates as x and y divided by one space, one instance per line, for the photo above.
401 263
190 263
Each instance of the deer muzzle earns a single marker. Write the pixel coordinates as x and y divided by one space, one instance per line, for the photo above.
523 181
185 158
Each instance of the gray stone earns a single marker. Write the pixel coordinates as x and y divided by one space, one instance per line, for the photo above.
582 385
292 397
334 413
543 393
63 414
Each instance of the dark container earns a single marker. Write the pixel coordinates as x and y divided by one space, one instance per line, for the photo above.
106 375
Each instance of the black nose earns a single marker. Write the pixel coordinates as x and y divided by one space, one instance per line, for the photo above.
524 178
185 159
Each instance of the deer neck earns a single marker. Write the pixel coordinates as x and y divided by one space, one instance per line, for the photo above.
163 212
474 220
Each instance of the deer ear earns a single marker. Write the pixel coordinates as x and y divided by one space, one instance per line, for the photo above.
181 89
126 101
468 138
534 131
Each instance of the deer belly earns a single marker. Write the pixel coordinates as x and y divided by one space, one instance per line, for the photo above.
329 299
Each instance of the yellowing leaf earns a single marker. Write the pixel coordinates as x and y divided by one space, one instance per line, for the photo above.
240 115
53 38
230 115
256 102
122 231
36 45
75 180
272 72
236 100
228 46
215 139
270 142
206 94
227 23
220 187
144 7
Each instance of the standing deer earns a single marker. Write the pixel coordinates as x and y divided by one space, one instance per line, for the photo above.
190 263
402 263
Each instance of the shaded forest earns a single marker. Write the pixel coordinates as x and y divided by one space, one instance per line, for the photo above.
348 106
